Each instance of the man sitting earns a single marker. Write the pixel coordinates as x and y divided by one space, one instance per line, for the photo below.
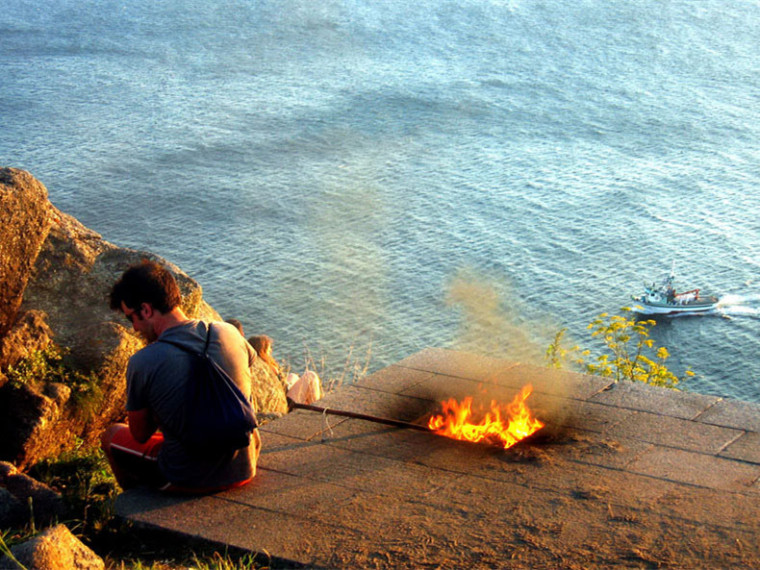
149 297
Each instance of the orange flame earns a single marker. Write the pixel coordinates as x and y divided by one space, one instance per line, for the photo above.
503 425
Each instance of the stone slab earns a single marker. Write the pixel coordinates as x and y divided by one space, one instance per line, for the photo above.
492 372
675 432
454 363
620 477
551 381
394 379
578 414
696 469
734 414
363 400
637 396
746 448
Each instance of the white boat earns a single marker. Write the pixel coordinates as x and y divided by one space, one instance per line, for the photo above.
664 300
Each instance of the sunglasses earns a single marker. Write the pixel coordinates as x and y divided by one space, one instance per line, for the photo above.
131 316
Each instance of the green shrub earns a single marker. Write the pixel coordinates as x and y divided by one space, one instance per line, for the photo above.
49 365
628 353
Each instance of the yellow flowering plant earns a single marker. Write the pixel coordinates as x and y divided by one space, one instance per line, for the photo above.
629 352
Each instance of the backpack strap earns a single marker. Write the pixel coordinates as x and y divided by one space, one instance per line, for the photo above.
188 349
208 339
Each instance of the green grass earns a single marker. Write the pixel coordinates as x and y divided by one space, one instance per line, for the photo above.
204 561
10 537
84 479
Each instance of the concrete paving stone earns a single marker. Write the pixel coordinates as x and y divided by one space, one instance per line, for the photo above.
272 491
315 425
458 526
404 445
533 466
602 490
455 363
359 471
442 537
718 507
551 468
476 494
675 432
274 441
460 456
403 481
732 413
145 503
394 379
580 414
639 396
287 538
696 469
263 530
292 455
607 485
319 462
352 435
359 428
464 500
168 511
632 490
303 424
307 498
373 438
603 451
362 400
651 495
746 448
451 367
555 382
511 474
440 387
506 378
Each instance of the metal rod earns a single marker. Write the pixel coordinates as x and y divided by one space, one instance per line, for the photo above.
377 420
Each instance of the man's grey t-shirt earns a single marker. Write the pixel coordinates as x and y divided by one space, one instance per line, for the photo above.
156 377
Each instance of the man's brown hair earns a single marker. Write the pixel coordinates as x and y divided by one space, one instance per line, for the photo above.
146 282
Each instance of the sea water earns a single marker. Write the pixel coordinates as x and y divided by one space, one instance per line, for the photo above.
361 180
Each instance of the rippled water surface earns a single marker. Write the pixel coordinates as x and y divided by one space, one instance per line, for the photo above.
354 177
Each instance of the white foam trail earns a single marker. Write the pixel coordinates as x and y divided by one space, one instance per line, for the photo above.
739 305
732 300
739 310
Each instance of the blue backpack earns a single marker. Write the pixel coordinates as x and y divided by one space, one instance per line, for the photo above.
218 417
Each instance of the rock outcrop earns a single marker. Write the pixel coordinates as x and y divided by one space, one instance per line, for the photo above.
54 549
59 292
28 334
23 499
24 225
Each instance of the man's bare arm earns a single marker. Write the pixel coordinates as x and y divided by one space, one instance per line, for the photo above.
141 424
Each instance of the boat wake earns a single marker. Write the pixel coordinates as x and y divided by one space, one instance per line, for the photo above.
739 306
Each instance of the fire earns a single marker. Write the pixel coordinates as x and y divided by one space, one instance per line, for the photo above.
503 425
